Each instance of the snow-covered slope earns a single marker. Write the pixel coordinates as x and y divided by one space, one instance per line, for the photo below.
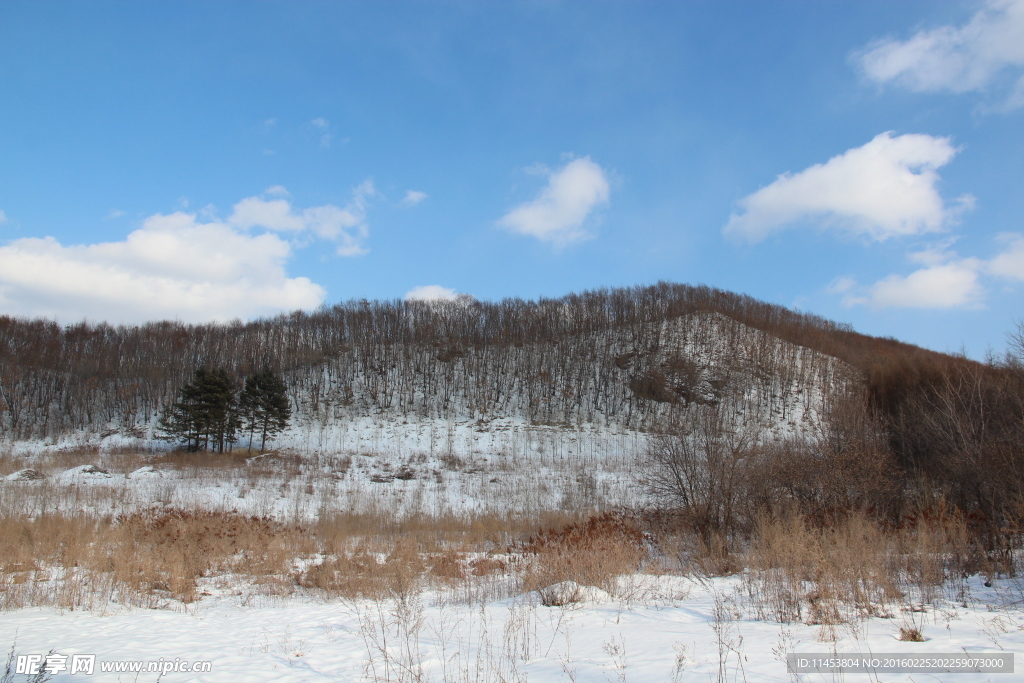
419 397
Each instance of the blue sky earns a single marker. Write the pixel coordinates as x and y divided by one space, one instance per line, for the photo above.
195 160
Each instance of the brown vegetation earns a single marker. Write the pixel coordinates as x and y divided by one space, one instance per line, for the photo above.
594 552
148 558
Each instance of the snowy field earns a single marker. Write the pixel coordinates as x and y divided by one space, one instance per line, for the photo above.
427 467
659 629
652 627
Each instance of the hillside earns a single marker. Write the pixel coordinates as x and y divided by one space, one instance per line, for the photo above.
618 357
413 379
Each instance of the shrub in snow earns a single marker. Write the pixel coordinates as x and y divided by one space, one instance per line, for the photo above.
25 475
85 472
569 592
145 471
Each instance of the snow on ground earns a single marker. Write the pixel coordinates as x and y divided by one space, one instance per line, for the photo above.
666 631
430 467
656 629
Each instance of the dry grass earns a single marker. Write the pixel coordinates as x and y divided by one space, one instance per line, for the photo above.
75 543
148 558
71 561
199 464
855 568
799 573
53 462
117 549
792 571
594 552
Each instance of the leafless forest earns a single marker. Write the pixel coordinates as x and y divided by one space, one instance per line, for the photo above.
599 356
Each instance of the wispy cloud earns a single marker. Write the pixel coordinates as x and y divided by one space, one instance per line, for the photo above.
272 214
841 285
323 125
432 293
1010 262
3 217
113 213
344 225
413 197
557 215
957 59
944 281
882 189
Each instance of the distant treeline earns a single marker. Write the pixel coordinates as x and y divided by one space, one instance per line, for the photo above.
380 355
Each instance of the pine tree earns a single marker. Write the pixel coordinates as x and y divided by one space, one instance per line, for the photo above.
264 406
205 416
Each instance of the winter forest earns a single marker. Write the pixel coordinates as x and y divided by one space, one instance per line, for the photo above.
647 447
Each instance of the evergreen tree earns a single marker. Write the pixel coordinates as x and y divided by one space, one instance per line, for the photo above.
205 416
264 406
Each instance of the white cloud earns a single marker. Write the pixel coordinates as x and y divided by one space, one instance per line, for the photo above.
345 225
3 217
950 285
431 293
172 267
954 59
883 189
1009 263
558 213
934 254
945 281
414 197
274 214
277 191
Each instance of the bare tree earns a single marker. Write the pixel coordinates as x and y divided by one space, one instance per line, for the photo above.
698 468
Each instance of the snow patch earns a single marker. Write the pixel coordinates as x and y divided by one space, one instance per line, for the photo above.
570 592
144 472
26 474
84 472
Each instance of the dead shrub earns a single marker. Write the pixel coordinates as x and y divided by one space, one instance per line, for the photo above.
698 468
855 567
911 634
361 573
448 567
173 549
485 566
591 553
822 575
